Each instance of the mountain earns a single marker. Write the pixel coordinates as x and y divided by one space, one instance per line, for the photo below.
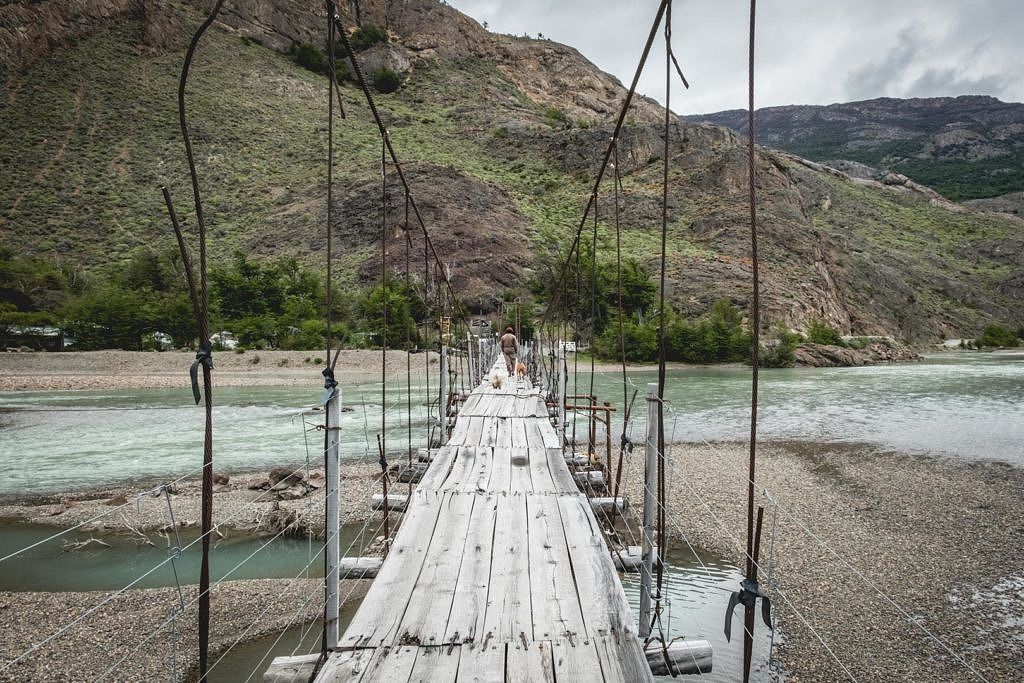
968 147
500 137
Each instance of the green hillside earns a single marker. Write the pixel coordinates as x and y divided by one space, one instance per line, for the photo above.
501 173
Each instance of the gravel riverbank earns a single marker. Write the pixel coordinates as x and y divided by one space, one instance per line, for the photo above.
136 627
236 505
76 370
943 539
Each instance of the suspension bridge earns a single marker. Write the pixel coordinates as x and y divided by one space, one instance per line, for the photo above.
505 564
499 570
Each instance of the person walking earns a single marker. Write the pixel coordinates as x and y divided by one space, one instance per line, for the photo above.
509 346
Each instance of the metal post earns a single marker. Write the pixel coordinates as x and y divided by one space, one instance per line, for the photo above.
469 359
650 481
332 532
442 394
563 380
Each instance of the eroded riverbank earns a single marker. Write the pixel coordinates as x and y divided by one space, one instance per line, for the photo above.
941 538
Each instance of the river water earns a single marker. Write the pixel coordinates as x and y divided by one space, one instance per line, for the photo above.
964 406
959 405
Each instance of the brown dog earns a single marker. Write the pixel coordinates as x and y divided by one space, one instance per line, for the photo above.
520 371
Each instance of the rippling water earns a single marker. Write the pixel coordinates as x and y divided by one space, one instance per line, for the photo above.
961 405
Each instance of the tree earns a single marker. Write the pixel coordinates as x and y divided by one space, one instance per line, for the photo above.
996 336
399 323
819 332
110 316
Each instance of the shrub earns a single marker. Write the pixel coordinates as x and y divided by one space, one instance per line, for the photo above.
556 116
310 57
385 80
996 336
367 36
779 352
641 342
819 332
500 132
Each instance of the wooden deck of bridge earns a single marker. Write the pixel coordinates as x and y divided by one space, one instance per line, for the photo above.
499 571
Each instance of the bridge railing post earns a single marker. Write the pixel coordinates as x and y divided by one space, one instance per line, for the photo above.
647 550
332 531
442 395
563 380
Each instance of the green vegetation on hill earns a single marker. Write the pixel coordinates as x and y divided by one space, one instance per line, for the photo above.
88 154
264 304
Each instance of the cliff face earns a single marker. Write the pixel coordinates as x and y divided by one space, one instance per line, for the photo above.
500 137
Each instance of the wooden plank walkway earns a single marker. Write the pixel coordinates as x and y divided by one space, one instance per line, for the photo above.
499 571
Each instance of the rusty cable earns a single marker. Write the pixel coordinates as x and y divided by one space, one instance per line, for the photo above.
203 357
560 282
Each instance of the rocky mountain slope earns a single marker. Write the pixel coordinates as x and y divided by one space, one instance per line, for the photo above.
965 147
500 138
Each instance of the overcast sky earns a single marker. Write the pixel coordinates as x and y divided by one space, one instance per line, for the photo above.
808 51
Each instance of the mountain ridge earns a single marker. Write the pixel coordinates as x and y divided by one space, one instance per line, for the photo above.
965 147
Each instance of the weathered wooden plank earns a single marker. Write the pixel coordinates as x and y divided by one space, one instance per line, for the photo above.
607 612
482 664
471 405
489 437
531 663
508 600
469 605
577 661
551 439
377 620
501 475
436 664
504 434
519 460
622 658
518 429
439 468
463 469
426 617
475 430
540 470
391 664
345 667
553 591
560 475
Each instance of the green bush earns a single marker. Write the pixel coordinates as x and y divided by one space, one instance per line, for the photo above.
779 351
385 80
996 336
310 56
819 332
556 117
500 132
718 337
641 342
367 36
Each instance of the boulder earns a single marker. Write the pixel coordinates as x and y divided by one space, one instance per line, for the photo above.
284 475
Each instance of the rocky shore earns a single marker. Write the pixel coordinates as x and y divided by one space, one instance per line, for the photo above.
943 539
809 354
247 502
120 629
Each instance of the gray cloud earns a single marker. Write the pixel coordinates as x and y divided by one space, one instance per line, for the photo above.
808 51
880 75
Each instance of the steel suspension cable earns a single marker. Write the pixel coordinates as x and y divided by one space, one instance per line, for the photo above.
203 357
560 282
661 302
